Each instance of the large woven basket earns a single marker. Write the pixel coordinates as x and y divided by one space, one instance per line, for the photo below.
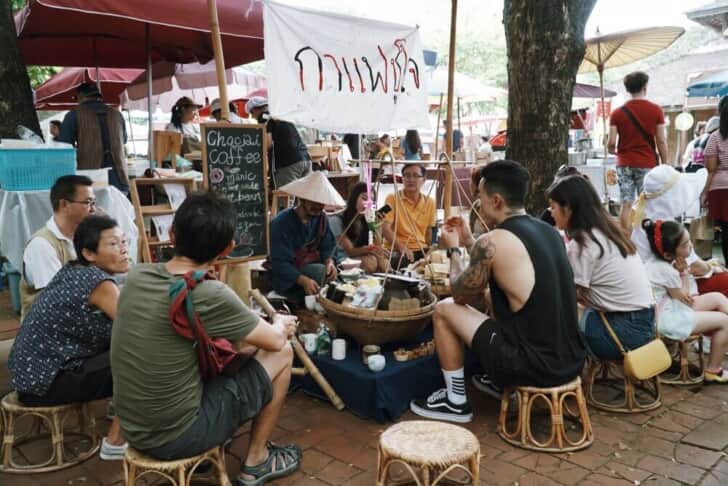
373 326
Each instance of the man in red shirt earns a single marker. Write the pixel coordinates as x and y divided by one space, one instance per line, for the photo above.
640 125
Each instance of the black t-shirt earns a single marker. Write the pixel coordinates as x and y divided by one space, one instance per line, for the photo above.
545 330
288 148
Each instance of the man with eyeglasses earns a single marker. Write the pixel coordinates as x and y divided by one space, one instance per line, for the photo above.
51 247
407 229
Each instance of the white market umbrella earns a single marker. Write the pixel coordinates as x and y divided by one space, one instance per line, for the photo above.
466 88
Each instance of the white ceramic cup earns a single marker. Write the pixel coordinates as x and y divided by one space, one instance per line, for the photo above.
376 362
310 302
338 349
309 342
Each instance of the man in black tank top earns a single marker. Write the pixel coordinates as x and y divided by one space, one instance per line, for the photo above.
520 275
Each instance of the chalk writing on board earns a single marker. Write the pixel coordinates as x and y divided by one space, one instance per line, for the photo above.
235 163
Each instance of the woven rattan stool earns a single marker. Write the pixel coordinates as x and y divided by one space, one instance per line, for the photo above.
555 398
54 419
611 374
179 472
435 448
682 371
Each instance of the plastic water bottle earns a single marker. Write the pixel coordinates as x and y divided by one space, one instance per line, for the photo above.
27 134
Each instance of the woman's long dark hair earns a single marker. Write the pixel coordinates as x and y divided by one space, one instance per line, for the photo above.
178 110
671 232
577 194
723 112
413 141
351 212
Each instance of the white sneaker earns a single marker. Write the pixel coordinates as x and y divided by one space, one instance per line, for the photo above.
111 452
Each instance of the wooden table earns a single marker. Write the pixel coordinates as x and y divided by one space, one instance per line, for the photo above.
344 182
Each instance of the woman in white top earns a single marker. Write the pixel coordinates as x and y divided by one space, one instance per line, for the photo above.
609 275
184 121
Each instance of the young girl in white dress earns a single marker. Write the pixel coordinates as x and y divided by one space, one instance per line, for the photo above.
680 310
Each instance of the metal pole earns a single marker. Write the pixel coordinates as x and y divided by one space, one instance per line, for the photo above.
150 131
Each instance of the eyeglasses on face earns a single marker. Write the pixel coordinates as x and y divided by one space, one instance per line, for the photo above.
91 203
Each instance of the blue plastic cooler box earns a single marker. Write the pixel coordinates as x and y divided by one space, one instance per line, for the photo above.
34 169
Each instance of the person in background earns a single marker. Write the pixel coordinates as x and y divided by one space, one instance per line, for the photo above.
680 311
290 160
185 121
61 353
355 242
634 130
98 132
352 140
412 145
381 147
611 282
715 194
51 247
485 146
166 409
407 228
301 242
54 127
216 111
457 138
688 156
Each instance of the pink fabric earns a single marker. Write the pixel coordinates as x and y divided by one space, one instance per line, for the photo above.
112 32
717 147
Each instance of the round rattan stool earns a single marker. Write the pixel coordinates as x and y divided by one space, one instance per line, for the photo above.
179 472
629 396
54 419
682 371
435 448
555 397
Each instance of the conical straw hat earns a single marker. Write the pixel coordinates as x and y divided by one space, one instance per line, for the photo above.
315 187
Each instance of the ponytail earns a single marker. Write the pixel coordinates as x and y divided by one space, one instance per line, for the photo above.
664 236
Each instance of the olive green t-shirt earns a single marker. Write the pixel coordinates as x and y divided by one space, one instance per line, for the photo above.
157 383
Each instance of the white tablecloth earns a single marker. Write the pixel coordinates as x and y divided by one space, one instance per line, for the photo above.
22 213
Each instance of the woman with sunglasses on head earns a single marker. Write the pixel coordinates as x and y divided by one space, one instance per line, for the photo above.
61 353
611 282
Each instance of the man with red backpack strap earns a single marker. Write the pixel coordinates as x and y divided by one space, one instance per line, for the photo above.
636 135
174 401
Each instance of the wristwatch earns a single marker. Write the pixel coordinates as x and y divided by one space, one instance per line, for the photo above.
450 251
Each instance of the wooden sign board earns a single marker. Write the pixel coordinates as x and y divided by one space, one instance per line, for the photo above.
235 163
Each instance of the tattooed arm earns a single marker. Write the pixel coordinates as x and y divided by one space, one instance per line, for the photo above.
468 283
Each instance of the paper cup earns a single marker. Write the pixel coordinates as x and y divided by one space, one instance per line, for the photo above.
338 349
376 362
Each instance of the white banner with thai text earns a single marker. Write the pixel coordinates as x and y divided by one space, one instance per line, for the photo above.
340 73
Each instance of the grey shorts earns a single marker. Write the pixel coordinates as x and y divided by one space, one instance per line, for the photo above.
227 403
630 181
292 172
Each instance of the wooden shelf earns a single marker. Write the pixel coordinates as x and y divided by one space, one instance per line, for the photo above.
157 210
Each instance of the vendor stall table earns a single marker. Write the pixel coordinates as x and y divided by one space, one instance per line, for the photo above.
22 213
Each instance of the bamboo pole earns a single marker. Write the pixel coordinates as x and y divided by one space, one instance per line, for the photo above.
301 353
219 60
437 131
447 190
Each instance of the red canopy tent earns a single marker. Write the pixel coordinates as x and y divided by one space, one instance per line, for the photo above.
59 92
113 33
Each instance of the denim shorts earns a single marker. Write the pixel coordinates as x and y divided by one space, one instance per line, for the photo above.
633 328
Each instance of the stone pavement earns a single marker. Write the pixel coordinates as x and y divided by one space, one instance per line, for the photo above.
683 442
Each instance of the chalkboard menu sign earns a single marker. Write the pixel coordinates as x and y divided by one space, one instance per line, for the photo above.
234 163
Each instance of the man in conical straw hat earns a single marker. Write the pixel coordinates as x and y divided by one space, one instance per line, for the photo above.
302 245
668 194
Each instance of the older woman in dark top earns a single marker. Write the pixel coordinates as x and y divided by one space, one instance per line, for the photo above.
61 354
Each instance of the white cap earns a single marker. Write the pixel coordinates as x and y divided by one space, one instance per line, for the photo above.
215 105
255 102
712 125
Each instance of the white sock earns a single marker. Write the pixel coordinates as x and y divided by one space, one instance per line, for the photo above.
455 383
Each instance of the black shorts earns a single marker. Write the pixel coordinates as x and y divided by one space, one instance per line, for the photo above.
227 403
85 383
501 361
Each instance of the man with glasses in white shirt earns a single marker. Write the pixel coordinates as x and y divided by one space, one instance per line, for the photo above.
51 247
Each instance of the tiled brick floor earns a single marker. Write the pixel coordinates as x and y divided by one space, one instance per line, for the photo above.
683 442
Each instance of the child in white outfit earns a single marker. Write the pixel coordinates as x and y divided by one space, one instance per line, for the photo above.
680 310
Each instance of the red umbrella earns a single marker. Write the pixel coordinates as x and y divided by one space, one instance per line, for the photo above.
112 33
59 92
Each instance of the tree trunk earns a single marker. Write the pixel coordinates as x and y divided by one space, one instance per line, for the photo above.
545 45
16 97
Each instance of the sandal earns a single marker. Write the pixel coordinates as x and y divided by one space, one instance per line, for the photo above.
719 377
281 461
